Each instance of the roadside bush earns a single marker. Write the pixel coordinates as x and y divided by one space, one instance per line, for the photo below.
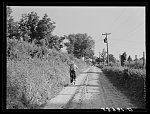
31 80
18 50
131 80
134 65
35 74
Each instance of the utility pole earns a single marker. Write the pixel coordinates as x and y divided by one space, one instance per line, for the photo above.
106 41
136 59
143 59
120 58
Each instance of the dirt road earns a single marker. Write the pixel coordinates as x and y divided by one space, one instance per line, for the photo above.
97 92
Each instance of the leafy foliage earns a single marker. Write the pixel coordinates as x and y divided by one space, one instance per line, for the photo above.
80 45
129 59
12 27
31 29
103 55
136 65
55 42
123 58
131 80
28 24
112 58
44 28
36 69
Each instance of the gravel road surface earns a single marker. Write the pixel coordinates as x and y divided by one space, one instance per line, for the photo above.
96 92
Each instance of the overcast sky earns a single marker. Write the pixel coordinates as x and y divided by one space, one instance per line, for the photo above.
126 25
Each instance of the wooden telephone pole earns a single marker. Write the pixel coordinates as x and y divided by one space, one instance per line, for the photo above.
143 59
136 59
106 41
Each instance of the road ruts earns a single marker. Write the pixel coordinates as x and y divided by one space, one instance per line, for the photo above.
97 92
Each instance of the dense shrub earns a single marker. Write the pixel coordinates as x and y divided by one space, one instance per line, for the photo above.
131 80
35 74
34 81
135 65
17 50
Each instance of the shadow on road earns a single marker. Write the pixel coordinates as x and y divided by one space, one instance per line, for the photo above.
80 85
90 72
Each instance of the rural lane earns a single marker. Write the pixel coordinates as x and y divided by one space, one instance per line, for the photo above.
96 92
93 90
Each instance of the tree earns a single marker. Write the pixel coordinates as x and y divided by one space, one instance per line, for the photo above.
112 58
45 28
55 42
9 11
40 31
123 58
103 55
129 59
12 27
80 45
9 20
99 59
70 44
88 53
27 25
136 59
33 20
13 30
94 60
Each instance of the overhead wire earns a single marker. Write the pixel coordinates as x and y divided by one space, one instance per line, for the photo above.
131 33
114 25
122 12
119 40
127 20
136 29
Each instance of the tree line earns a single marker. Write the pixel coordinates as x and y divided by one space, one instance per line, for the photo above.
33 30
123 58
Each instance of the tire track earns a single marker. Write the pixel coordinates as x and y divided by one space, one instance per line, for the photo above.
79 95
100 93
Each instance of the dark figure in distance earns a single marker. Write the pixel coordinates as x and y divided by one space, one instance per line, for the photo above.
73 69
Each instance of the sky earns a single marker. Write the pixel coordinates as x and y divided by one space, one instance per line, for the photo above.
126 25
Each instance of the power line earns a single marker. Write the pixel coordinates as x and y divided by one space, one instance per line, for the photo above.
127 19
127 41
132 32
122 40
124 46
130 17
122 12
137 28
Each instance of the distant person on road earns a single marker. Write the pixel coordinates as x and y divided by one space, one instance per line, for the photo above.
73 69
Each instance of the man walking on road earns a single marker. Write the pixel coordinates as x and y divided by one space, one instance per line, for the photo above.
73 69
